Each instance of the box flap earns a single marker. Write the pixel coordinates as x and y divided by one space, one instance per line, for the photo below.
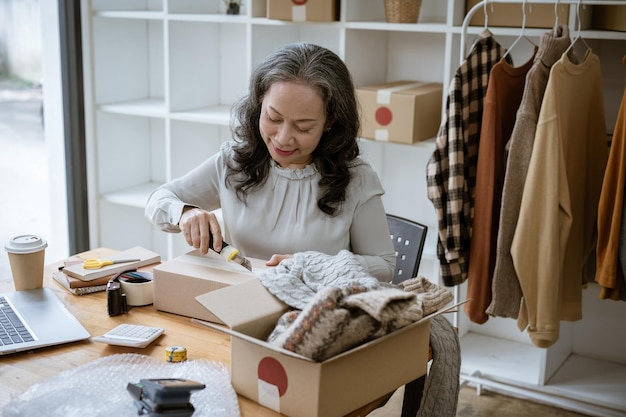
247 307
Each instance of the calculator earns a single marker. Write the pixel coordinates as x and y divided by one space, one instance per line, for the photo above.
130 335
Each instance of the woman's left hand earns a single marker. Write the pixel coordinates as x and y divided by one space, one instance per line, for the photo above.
275 259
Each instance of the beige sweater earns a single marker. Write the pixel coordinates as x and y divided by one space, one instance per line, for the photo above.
555 234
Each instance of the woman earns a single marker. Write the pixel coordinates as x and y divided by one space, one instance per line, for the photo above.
292 180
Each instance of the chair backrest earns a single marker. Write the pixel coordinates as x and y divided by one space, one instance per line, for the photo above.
408 239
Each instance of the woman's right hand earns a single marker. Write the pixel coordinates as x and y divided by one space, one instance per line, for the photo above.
198 226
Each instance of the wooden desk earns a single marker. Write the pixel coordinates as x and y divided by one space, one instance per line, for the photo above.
21 370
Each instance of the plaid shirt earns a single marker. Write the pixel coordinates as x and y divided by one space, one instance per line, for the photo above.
451 170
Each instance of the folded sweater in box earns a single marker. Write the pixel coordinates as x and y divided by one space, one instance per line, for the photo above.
338 306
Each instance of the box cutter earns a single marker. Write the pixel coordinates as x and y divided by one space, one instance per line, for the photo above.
232 254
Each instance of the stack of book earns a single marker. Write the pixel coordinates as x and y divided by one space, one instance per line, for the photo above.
79 280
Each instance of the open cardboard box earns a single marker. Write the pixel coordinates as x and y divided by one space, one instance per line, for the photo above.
233 300
294 385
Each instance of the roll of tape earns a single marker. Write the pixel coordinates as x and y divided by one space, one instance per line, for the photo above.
138 287
175 354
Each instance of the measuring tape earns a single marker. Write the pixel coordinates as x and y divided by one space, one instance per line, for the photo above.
175 354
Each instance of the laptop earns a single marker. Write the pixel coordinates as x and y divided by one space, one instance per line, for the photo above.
36 318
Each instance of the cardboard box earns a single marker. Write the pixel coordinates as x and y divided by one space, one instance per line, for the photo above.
294 385
208 288
537 15
609 18
303 10
401 111
177 282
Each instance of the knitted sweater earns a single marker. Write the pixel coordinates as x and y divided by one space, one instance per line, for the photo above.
339 318
506 293
339 306
441 390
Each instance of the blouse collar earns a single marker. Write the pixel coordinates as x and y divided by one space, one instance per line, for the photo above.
294 174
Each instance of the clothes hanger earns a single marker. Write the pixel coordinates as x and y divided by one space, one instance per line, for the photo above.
522 32
486 30
556 18
486 14
577 37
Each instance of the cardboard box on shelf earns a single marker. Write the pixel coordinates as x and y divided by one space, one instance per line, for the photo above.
607 17
294 385
303 10
401 111
537 15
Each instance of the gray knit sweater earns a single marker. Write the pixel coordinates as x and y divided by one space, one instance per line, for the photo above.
506 292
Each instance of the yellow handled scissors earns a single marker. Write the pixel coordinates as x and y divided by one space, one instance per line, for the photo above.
99 263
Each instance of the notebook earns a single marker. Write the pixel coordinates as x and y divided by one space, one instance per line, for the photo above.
44 321
145 256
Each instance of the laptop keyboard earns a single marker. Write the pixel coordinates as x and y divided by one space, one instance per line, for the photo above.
12 330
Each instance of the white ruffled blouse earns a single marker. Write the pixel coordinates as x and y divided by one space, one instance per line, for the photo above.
282 217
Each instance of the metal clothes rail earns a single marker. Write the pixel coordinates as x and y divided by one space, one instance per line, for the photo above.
485 3
476 378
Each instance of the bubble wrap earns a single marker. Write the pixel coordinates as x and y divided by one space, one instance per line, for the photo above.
98 388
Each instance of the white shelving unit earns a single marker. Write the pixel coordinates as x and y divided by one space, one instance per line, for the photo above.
161 75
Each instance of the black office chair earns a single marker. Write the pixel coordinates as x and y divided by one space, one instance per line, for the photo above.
408 239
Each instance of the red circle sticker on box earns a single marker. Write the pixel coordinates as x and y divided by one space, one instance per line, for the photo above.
272 372
272 383
299 2
383 116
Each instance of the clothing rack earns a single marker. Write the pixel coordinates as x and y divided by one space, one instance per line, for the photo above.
485 3
476 378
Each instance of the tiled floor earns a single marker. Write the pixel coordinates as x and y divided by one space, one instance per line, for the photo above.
23 205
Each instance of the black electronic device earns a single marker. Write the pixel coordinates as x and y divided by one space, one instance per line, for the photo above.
116 299
164 397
